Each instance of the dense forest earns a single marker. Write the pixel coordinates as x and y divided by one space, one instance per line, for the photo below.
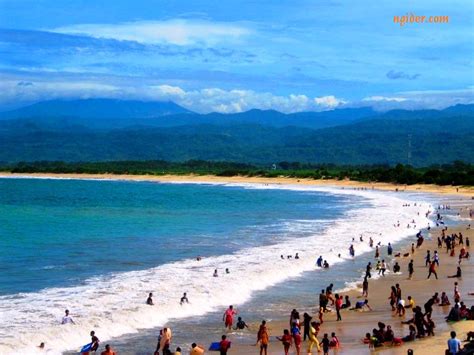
356 136
458 173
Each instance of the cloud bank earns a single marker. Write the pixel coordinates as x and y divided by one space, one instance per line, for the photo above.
215 99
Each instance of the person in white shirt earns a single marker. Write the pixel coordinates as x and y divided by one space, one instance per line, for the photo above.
67 318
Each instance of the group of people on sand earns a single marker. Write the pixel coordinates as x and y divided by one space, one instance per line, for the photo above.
421 323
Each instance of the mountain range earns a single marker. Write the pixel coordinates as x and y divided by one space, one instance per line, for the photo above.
104 129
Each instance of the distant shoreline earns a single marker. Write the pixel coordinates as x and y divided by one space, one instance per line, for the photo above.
467 191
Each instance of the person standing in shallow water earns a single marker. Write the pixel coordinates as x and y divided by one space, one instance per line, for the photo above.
389 249
228 317
263 338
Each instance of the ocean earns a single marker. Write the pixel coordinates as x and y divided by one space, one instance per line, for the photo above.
98 248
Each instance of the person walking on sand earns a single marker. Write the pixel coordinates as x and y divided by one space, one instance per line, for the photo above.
365 287
432 270
427 258
228 317
307 325
263 338
224 345
338 306
313 340
411 269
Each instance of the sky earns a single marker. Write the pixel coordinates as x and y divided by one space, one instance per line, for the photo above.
232 56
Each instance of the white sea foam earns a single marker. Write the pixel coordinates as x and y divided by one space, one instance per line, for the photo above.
115 305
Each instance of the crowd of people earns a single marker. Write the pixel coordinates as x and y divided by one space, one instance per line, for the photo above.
304 334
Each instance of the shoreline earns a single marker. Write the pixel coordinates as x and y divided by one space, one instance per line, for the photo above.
466 191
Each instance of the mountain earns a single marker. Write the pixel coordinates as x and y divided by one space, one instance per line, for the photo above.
398 137
110 114
87 110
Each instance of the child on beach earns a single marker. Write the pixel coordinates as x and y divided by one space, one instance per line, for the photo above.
325 343
286 340
334 343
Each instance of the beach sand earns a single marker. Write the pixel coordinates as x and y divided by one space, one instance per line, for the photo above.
355 324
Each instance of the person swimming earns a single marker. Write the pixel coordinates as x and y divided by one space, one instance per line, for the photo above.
227 271
240 324
149 300
67 318
297 256
325 264
215 273
184 299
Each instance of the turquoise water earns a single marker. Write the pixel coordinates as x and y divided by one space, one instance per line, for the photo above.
61 232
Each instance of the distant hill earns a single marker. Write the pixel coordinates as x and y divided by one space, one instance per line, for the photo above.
87 111
109 114
420 138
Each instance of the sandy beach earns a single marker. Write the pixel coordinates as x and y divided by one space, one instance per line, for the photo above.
467 191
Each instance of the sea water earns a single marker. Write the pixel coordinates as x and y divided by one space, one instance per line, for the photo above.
98 248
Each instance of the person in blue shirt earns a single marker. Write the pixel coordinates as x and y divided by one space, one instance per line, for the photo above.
454 345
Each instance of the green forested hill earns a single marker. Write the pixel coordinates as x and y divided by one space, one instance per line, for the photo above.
384 140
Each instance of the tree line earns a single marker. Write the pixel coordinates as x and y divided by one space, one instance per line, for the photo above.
457 173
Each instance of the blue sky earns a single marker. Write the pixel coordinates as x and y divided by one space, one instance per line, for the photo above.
231 56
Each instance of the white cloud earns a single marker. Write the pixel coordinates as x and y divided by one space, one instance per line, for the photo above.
329 101
178 32
384 98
